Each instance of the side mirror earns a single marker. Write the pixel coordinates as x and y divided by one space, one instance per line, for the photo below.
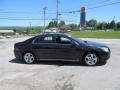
73 44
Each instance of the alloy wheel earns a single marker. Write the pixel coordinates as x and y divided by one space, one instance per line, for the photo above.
29 58
91 59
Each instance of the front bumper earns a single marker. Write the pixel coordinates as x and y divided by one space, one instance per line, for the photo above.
105 56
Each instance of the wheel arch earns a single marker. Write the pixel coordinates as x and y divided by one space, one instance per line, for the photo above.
91 51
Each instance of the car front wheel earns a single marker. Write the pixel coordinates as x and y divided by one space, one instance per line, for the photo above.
91 59
29 58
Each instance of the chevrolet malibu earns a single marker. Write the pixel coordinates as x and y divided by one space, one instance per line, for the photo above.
61 47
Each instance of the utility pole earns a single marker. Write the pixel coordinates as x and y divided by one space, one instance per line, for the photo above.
115 23
57 12
44 9
30 27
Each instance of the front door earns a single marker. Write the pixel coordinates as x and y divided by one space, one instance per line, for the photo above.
66 49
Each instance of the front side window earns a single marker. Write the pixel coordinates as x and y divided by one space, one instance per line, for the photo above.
45 39
63 40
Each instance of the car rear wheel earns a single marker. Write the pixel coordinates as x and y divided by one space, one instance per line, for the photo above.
91 59
29 58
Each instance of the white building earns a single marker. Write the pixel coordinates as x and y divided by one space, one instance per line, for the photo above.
7 32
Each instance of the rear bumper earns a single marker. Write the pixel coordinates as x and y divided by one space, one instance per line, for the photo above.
18 54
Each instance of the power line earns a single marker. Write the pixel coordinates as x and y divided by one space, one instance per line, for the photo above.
18 12
104 5
68 12
36 19
99 2
104 1
25 12
12 18
68 15
22 19
71 11
22 12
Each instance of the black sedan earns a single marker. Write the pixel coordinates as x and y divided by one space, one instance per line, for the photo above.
61 47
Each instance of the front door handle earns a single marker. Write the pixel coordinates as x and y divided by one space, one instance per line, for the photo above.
57 47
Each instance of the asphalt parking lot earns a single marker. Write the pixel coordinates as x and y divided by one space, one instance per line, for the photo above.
15 75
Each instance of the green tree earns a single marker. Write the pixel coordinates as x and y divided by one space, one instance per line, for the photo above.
112 24
104 25
36 30
108 26
118 25
73 26
62 23
52 24
91 23
55 23
99 26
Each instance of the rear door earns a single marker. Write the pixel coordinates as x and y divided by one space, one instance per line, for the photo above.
44 47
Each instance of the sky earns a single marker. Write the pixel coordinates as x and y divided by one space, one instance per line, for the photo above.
24 12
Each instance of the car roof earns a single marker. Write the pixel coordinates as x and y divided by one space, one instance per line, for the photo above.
56 34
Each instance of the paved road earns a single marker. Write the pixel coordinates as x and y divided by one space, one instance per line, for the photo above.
15 75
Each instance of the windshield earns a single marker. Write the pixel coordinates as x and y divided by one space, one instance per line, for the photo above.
77 39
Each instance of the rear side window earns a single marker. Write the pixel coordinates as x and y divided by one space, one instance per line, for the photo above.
46 39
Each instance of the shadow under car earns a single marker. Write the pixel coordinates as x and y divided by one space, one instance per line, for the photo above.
57 63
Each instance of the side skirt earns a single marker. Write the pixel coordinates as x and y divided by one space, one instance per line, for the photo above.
59 60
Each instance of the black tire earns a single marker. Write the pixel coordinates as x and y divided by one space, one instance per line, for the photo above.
29 58
91 59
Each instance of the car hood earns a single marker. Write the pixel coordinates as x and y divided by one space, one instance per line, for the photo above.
95 44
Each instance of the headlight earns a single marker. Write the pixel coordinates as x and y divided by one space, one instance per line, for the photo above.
105 49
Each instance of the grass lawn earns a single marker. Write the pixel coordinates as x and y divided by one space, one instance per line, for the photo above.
97 34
